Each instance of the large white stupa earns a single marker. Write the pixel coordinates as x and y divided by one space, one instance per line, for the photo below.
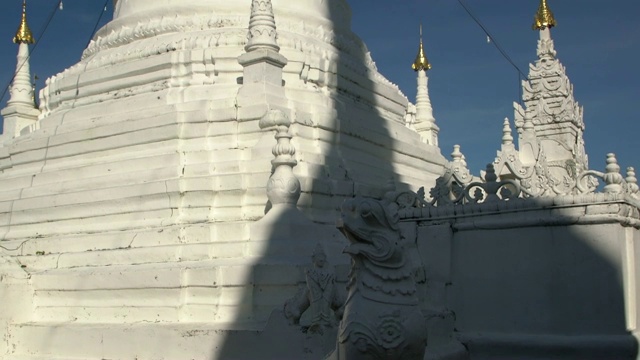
171 69
175 196
136 194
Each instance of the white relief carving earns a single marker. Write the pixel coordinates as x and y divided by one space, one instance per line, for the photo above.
320 296
262 27
283 186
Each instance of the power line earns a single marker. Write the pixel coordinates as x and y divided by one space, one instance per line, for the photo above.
493 40
103 9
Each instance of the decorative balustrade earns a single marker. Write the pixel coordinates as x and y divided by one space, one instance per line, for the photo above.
458 193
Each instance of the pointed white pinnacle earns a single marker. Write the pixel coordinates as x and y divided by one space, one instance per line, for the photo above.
456 155
262 27
507 138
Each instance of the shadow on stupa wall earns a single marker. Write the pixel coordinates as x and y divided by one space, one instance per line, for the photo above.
356 157
537 291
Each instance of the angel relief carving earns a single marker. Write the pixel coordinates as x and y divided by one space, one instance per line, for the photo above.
319 297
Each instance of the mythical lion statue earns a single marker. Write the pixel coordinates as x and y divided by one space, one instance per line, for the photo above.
382 319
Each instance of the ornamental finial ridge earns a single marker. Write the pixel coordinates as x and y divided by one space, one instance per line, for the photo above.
544 17
262 27
507 137
24 35
283 187
421 62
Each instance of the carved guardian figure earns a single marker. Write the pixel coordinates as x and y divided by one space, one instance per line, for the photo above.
320 296
382 319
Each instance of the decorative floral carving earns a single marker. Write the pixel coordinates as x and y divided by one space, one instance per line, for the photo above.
391 331
539 182
492 190
449 187
262 27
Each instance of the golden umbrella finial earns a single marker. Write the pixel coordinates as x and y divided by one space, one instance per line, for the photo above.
24 35
544 17
421 63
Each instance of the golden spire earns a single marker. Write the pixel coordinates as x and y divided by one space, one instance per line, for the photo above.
24 35
421 63
544 17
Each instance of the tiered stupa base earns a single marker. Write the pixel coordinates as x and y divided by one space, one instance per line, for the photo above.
135 201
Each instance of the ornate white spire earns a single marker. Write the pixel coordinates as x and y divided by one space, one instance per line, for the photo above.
20 111
546 48
425 123
612 177
21 88
457 156
262 87
507 138
262 27
551 123
544 21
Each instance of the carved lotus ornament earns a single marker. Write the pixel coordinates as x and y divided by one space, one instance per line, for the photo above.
391 331
274 118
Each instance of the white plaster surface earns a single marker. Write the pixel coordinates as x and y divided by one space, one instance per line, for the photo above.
132 213
552 282
133 205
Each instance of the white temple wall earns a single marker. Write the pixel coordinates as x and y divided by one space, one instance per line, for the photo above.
631 279
16 294
536 281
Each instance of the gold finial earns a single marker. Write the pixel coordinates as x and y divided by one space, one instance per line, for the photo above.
421 63
544 17
24 35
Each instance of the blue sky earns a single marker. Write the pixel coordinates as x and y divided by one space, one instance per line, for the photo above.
472 86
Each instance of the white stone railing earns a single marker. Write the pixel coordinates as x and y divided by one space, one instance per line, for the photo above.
457 193
456 187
